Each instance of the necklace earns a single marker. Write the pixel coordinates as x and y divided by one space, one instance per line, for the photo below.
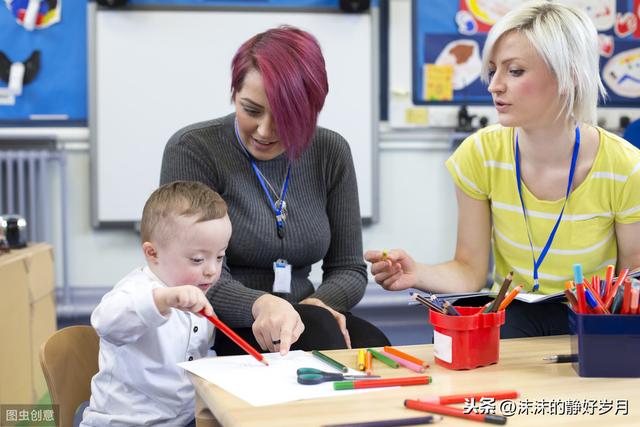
279 203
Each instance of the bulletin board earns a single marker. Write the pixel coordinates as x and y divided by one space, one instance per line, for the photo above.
448 36
54 54
156 70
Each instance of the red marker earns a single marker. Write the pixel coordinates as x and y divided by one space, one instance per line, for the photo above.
454 412
614 288
461 398
235 338
384 382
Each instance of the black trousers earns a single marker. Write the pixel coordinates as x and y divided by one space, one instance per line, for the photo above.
528 320
321 332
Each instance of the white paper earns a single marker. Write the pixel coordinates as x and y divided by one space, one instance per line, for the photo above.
260 385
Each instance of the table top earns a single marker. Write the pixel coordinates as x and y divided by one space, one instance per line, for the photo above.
546 390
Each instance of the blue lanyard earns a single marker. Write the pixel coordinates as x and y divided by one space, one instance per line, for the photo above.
543 254
277 208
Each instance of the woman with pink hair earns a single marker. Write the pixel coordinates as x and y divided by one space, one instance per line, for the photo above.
293 201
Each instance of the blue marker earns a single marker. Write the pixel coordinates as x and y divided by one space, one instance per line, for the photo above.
577 273
590 299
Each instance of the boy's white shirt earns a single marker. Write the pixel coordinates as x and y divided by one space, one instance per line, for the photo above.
139 382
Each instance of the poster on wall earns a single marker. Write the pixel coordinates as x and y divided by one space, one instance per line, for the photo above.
448 37
43 65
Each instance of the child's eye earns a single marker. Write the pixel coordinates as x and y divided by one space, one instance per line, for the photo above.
196 260
220 258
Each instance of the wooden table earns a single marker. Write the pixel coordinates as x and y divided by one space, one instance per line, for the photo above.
520 367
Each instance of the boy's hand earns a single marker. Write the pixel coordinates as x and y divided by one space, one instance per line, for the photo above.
185 298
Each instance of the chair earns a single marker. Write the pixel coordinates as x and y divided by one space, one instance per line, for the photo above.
632 133
69 359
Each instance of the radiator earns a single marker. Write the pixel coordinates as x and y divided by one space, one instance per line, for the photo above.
25 188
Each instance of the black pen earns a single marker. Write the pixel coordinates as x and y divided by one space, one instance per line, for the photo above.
562 358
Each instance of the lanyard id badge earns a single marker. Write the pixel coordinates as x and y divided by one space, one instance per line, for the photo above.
282 277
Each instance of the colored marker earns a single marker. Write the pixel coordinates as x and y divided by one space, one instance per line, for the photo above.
626 299
572 299
454 412
593 297
582 302
329 361
235 338
614 288
383 382
577 273
461 398
409 365
635 297
429 419
608 279
360 359
384 359
512 295
368 363
405 356
384 255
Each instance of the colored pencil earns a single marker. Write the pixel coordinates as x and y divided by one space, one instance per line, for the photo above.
383 382
235 338
405 356
329 361
512 295
461 398
501 293
454 412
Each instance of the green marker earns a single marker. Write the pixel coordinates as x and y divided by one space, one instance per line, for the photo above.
329 361
384 359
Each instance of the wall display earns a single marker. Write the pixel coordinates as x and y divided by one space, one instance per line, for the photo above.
43 65
448 36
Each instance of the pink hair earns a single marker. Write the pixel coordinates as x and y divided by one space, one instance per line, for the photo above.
295 81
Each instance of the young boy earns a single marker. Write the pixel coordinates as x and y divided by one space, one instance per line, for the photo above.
147 323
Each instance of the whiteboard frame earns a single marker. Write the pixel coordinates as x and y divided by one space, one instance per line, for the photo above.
368 194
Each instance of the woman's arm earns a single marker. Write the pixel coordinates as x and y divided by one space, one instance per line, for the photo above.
344 278
628 245
466 272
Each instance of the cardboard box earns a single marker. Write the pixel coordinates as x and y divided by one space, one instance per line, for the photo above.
27 319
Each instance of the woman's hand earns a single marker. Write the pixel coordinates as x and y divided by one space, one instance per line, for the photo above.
340 318
394 270
277 324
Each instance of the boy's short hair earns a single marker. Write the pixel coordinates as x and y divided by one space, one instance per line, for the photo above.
179 198
567 40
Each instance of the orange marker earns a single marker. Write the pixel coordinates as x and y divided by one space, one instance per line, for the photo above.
368 363
512 295
608 278
405 356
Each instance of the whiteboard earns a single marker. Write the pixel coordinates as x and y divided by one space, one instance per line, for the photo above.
154 71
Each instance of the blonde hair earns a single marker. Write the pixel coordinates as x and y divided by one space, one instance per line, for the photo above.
179 198
567 40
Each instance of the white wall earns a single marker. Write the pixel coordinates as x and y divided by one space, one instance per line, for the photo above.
416 197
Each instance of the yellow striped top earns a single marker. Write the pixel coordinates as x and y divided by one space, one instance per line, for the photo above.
483 167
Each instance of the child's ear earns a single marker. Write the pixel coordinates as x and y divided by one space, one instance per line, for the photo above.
150 252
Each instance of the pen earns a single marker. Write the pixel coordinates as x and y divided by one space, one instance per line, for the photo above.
402 362
428 419
360 359
383 382
235 338
329 361
461 398
405 356
454 412
384 359
561 358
